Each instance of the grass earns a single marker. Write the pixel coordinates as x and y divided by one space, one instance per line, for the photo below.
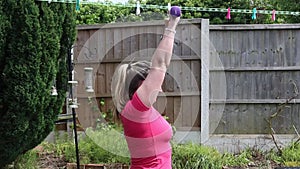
90 149
189 155
290 156
28 160
194 156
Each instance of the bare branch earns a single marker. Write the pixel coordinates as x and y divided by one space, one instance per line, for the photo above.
278 112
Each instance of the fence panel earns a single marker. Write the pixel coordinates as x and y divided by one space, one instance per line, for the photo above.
261 65
105 47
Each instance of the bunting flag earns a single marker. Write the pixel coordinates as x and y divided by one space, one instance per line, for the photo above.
254 11
200 9
77 5
273 15
228 14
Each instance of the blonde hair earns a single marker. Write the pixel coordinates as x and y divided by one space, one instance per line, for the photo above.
126 81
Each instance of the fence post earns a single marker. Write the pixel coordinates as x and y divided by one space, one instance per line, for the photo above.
204 49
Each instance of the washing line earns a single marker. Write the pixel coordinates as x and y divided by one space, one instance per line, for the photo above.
200 9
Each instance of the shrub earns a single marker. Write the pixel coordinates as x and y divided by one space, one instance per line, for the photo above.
195 156
35 38
29 160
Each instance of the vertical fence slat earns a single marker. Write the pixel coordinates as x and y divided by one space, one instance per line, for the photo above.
109 71
143 42
118 45
126 43
100 80
109 43
186 111
177 112
170 109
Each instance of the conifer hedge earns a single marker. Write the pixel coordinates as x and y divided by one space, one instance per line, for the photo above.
34 41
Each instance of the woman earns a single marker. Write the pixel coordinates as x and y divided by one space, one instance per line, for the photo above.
135 87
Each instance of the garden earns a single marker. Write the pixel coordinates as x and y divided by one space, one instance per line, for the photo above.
35 47
190 156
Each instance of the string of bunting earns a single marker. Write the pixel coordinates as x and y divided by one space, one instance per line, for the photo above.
202 9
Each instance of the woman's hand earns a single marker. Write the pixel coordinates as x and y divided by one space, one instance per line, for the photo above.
172 22
174 16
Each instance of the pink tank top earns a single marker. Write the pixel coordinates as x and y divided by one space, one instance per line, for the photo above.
148 136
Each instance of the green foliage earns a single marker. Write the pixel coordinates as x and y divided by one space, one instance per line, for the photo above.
290 155
185 14
90 148
187 155
4 24
33 53
241 159
113 142
195 156
63 147
29 160
94 14
219 17
290 5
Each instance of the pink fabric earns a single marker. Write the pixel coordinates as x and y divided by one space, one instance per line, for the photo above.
273 15
148 136
228 14
138 104
163 161
132 114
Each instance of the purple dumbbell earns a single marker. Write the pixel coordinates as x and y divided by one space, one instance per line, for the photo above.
175 11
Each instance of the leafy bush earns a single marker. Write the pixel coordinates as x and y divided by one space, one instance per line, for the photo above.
35 38
93 14
91 149
101 13
29 160
195 156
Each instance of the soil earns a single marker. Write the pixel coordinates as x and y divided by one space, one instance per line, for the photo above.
50 161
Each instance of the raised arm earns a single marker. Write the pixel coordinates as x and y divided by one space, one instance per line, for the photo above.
162 55
161 58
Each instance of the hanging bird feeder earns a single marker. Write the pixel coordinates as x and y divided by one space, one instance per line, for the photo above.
88 74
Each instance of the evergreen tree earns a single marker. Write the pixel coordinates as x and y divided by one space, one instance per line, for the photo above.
35 39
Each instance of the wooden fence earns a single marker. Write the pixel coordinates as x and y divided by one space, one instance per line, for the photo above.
262 68
104 47
246 76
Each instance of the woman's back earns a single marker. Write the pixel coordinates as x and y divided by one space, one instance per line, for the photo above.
147 134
